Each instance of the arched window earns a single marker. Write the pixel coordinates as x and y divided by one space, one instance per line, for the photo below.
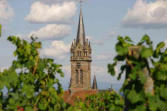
81 76
84 53
78 53
77 75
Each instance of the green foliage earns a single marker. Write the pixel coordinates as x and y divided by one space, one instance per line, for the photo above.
145 69
31 80
102 101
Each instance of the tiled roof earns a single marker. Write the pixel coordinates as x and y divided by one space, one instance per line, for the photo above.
70 97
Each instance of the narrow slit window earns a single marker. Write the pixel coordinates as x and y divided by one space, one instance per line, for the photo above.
77 76
81 76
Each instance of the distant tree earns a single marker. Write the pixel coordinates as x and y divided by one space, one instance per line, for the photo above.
145 69
31 80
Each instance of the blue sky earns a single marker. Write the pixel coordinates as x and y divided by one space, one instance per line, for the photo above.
55 23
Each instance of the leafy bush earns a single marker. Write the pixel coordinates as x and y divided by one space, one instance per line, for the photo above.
145 69
102 101
31 80
32 84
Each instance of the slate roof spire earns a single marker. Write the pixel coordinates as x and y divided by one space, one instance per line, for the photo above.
94 86
81 30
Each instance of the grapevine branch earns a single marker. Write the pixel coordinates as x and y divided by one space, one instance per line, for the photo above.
36 63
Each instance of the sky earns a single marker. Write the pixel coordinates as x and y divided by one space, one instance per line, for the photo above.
55 23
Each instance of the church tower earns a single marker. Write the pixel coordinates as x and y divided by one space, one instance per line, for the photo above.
80 59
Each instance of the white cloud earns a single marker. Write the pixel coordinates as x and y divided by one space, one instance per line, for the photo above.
67 69
6 11
48 13
104 57
103 39
58 49
52 31
102 74
93 41
99 70
147 15
60 1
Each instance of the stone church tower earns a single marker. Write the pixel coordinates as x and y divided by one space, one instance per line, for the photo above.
80 59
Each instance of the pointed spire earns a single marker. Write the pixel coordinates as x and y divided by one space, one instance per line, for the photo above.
72 43
70 83
81 31
94 86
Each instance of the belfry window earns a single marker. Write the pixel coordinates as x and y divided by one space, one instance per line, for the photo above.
78 53
81 76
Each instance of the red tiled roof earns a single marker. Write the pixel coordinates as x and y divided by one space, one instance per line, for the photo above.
70 97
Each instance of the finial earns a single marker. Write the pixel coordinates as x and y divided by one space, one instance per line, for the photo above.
94 86
81 1
72 43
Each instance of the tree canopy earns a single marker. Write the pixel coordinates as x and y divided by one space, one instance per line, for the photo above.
31 81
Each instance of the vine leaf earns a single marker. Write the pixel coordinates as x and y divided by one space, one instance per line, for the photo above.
133 97
146 52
